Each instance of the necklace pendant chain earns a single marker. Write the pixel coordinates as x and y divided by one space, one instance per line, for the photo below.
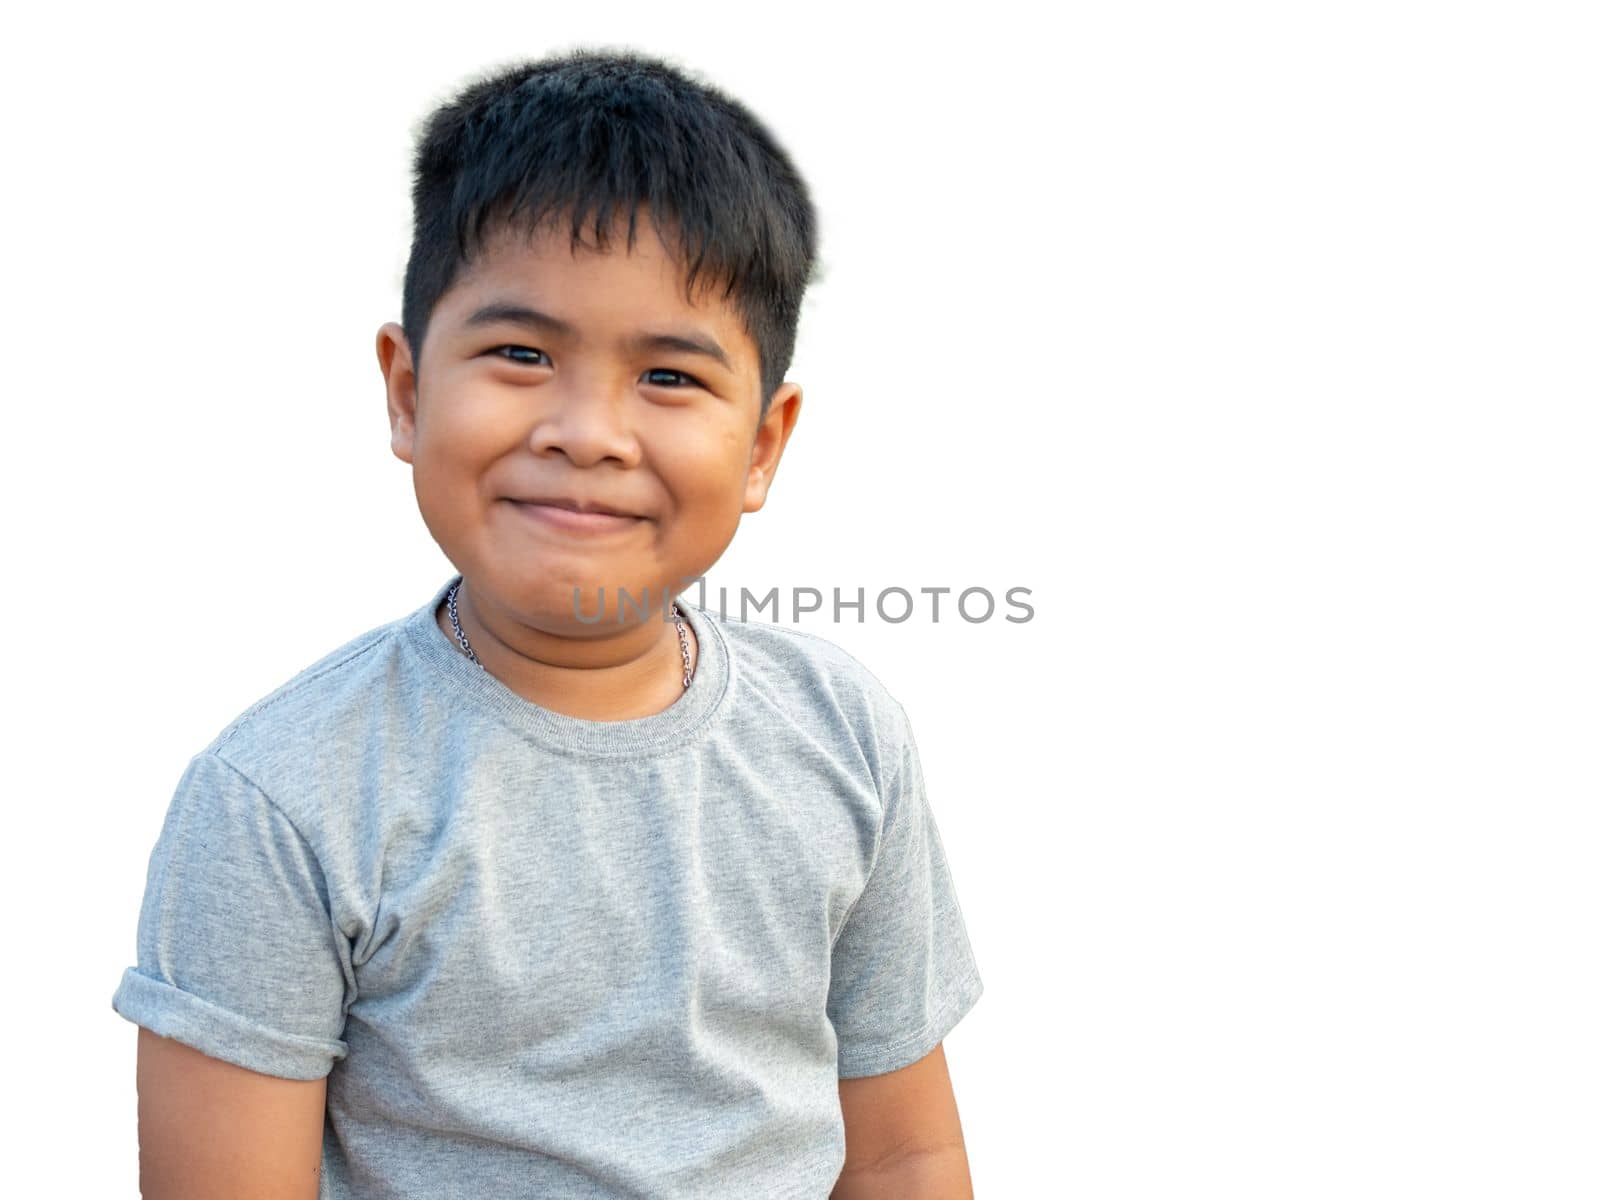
466 647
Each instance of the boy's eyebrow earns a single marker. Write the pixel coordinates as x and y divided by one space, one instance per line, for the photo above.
508 312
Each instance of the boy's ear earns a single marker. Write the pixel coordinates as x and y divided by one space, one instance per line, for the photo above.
771 437
400 384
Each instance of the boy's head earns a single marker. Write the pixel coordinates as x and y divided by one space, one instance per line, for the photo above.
601 303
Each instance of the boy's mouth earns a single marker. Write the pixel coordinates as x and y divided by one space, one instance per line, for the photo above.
575 517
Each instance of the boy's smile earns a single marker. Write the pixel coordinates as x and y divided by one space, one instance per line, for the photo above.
579 427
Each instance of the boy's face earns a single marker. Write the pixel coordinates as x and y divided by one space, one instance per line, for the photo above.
569 400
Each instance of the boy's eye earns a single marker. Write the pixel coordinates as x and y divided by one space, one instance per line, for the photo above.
689 380
523 349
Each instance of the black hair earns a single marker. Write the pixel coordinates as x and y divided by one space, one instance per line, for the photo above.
604 131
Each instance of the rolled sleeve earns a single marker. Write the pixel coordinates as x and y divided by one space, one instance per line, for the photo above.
238 955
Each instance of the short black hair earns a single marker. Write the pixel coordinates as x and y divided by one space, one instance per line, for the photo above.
604 131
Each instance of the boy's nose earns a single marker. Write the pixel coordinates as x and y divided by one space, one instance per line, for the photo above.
587 424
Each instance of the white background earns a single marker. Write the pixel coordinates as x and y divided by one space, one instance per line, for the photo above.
1259 341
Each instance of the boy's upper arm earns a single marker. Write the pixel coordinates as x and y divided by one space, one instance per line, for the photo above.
890 1118
210 1130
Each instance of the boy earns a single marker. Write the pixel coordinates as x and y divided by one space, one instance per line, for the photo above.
556 886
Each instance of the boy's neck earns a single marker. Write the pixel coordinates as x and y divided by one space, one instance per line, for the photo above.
639 677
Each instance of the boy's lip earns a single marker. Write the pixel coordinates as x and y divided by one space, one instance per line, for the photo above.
568 518
574 504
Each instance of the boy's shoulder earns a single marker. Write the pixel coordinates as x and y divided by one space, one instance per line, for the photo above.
812 680
798 648
316 713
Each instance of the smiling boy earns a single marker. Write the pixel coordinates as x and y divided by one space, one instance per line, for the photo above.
502 899
653 413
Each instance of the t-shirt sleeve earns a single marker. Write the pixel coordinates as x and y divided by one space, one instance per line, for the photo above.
903 972
238 956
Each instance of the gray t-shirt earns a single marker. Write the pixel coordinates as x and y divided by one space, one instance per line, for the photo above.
543 956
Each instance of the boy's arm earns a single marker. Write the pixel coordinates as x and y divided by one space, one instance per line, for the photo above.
210 1130
903 1136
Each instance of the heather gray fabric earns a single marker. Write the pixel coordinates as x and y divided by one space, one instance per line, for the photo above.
542 956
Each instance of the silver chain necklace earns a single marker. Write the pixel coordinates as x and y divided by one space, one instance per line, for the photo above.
677 619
